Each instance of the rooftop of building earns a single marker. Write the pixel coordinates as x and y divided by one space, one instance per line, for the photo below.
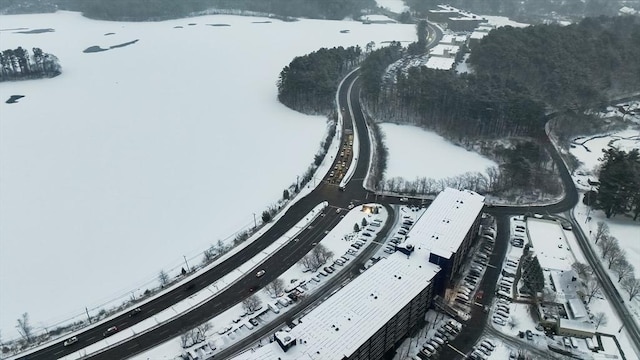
342 323
443 227
440 63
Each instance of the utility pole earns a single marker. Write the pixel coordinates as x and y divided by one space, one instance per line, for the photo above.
88 317
186 263
255 224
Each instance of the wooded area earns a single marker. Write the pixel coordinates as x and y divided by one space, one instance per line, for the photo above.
519 75
18 64
309 83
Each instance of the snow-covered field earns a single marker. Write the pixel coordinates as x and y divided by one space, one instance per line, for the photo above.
137 156
414 152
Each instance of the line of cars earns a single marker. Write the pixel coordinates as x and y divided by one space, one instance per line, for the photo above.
443 335
483 350
401 234
501 312
477 267
110 331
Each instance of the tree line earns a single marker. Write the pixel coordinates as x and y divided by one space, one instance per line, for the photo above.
309 83
19 64
144 10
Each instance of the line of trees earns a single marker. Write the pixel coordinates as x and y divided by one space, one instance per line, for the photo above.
19 64
309 83
616 260
139 10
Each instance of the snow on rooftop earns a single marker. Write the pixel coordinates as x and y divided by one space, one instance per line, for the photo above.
576 324
446 222
444 50
477 35
549 244
341 324
440 63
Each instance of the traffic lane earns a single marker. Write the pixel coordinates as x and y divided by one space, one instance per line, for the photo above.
236 292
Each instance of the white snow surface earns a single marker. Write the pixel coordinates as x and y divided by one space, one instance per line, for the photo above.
136 156
414 152
396 6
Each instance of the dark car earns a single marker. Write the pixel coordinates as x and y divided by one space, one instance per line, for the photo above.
135 312
110 331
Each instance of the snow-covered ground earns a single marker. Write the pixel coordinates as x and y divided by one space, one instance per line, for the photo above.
136 156
414 152
233 324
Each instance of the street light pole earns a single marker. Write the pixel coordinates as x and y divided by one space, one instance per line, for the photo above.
186 263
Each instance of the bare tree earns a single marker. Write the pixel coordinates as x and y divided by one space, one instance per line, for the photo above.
185 339
252 303
601 231
209 254
592 288
623 268
599 319
631 286
163 277
583 270
615 254
606 244
202 330
24 328
275 287
317 257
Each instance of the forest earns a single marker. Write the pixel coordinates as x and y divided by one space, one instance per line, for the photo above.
309 83
144 10
18 64
520 74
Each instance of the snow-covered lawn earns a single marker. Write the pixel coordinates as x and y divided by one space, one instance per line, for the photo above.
136 156
414 153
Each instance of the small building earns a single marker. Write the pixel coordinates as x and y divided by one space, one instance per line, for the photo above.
440 63
575 328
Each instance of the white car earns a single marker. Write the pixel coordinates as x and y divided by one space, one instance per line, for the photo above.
260 273
499 321
70 341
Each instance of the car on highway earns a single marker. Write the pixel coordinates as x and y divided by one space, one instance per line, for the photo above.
135 312
260 273
70 341
110 331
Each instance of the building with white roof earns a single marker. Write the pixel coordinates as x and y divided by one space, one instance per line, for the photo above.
444 50
379 308
440 63
447 229
364 319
